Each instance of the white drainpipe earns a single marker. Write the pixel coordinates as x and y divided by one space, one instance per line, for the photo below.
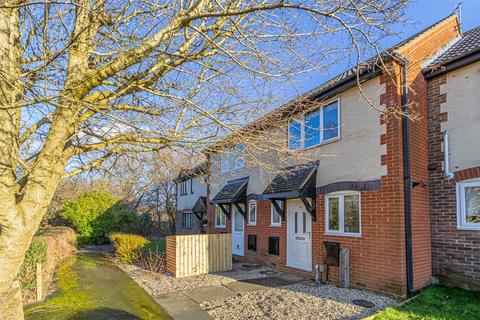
448 173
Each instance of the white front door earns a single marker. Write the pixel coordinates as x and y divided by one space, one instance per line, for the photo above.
238 240
299 236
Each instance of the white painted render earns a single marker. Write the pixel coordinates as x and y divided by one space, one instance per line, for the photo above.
462 105
199 190
355 157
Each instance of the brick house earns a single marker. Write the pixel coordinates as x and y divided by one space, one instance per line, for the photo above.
371 196
191 200
454 164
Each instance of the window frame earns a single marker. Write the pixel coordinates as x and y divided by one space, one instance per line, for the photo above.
191 186
252 203
301 120
183 187
462 223
272 211
184 220
341 214
230 155
224 225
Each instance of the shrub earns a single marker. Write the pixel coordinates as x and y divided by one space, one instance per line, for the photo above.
96 214
127 246
36 253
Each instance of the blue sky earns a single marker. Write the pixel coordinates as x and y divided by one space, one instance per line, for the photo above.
420 14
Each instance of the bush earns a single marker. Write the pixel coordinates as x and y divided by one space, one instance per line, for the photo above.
96 214
127 246
36 253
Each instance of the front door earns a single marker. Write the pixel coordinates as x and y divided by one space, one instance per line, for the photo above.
299 236
238 240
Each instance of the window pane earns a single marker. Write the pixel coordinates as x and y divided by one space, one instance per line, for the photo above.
296 222
252 212
295 135
352 214
472 204
312 129
330 121
238 221
276 218
304 222
333 214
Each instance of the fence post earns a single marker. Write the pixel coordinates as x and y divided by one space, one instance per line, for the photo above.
39 282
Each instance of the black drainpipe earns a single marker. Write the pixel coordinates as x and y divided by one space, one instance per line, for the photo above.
407 177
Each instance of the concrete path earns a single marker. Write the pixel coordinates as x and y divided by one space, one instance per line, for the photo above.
185 305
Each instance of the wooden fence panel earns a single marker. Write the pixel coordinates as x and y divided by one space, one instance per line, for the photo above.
189 255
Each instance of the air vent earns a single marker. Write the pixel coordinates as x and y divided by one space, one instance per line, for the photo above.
274 245
252 242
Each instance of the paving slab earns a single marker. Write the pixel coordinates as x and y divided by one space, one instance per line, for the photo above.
242 286
181 307
209 293
276 281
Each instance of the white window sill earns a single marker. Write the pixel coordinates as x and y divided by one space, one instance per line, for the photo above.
251 224
341 234
469 228
220 227
275 225
317 145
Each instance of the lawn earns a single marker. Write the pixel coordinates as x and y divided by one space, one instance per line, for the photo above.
437 303
154 244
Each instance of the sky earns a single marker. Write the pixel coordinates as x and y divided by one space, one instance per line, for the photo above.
420 14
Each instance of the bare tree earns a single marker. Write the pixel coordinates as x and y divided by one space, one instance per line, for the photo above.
83 82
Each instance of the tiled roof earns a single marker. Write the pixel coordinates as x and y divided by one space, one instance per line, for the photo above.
291 179
233 191
467 44
200 205
201 169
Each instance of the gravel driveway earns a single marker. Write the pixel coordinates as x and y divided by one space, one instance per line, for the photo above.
298 301
301 300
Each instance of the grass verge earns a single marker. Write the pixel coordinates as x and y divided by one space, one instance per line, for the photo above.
437 303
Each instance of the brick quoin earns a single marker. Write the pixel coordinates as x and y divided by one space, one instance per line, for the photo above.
455 253
377 257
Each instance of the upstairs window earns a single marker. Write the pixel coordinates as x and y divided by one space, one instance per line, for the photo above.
315 128
191 186
232 159
468 205
183 187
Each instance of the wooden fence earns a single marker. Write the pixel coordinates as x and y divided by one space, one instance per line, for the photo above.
189 255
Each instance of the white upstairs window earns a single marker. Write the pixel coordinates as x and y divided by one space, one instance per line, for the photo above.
232 159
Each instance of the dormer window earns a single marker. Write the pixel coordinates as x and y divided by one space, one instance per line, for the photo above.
232 159
315 128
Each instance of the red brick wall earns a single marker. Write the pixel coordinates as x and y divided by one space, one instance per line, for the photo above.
416 53
455 253
377 258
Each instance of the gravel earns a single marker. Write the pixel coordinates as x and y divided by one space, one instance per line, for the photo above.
297 301
302 300
157 284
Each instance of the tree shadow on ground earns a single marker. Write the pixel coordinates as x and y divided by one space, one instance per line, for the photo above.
104 314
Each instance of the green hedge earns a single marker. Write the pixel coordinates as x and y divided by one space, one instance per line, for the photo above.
96 214
128 246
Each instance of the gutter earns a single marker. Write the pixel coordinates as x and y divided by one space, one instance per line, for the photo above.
407 176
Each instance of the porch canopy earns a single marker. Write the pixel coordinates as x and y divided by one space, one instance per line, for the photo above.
233 193
200 207
294 182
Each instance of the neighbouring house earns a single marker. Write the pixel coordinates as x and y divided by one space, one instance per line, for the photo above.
454 138
339 175
191 205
